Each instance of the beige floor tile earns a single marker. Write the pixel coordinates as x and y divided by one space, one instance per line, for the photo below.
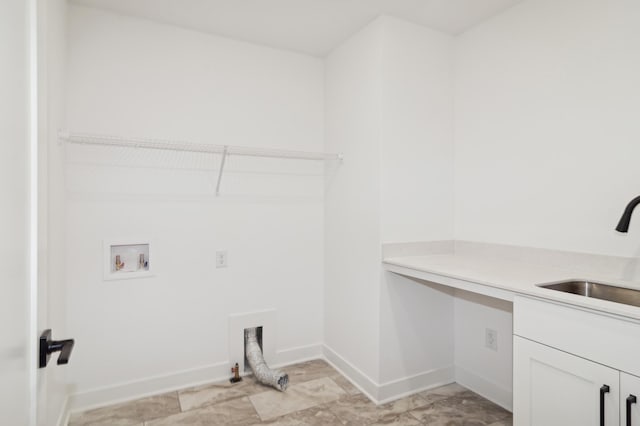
402 405
113 421
318 395
314 416
201 396
345 384
272 404
359 410
310 370
233 412
404 419
207 395
442 392
355 410
252 386
130 413
464 408
506 422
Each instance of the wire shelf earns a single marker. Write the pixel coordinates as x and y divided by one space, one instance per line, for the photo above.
181 146
172 145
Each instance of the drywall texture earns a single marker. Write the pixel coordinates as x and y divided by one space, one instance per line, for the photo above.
546 107
136 78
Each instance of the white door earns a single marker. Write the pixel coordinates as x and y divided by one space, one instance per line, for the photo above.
629 399
554 388
17 280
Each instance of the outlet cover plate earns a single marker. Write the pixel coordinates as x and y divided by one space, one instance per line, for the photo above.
221 259
491 339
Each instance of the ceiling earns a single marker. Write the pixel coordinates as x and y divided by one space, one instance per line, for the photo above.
308 26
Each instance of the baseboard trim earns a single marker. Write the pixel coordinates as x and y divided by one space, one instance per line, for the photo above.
482 386
392 390
364 383
149 386
128 391
298 354
65 414
409 385
376 392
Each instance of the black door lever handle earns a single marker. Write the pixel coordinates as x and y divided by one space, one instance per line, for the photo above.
49 346
631 399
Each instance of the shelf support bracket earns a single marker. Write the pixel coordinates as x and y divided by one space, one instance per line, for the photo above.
224 157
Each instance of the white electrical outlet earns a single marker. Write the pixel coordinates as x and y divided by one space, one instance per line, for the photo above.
221 259
491 339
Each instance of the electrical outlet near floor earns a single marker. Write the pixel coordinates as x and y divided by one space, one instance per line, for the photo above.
221 259
491 339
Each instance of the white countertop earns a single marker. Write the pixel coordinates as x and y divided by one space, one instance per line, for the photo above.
504 278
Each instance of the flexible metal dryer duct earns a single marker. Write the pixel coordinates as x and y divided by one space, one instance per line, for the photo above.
263 373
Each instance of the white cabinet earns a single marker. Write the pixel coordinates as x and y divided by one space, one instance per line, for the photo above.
629 399
554 388
568 361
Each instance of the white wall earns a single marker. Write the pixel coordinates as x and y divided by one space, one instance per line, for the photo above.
547 100
136 78
546 107
51 202
416 125
15 345
416 201
352 203
386 88
484 370
541 113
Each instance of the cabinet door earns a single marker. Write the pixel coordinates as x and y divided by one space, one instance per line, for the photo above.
629 400
554 388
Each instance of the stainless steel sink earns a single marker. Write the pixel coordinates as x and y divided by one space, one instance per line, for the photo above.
597 291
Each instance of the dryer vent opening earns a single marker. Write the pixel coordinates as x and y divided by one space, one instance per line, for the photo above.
258 330
253 354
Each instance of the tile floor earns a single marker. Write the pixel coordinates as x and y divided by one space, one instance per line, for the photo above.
317 395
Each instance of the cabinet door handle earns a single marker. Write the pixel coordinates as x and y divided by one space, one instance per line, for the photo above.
631 399
605 389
